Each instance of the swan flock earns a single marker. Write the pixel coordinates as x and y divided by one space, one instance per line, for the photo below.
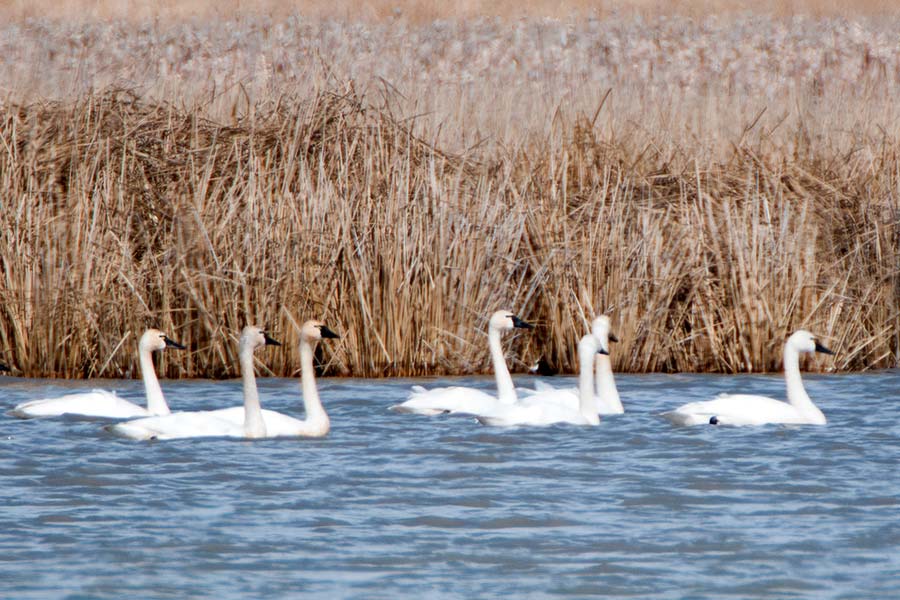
595 394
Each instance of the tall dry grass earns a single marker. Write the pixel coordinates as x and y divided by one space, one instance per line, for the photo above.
118 213
710 198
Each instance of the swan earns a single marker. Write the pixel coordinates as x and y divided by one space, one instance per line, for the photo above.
316 423
606 396
745 409
460 399
249 421
104 404
556 406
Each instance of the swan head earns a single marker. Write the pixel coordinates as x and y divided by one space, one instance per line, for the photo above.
600 329
504 320
254 337
154 339
589 345
804 341
313 331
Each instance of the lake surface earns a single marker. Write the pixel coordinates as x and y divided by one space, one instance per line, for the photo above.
395 506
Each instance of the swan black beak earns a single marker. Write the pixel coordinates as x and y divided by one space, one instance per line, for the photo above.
327 333
170 343
603 351
517 322
269 340
613 338
822 349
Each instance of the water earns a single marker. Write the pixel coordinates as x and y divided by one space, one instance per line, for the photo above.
403 506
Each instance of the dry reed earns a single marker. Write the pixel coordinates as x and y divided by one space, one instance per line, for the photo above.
708 233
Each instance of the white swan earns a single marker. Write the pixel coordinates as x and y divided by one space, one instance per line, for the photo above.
103 404
556 406
460 399
250 420
316 423
606 396
606 393
744 409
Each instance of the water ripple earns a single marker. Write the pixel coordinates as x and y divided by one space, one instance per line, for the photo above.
397 505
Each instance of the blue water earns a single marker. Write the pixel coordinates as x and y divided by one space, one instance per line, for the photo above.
404 506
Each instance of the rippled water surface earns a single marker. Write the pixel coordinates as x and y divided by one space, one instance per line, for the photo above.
405 506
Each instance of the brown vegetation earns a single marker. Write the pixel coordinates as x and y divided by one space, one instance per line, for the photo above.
429 10
709 219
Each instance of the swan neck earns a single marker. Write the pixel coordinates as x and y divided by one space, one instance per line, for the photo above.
606 383
586 404
796 393
315 412
254 425
506 393
156 403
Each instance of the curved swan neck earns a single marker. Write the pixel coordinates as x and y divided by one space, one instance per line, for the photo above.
254 425
606 383
586 405
156 403
506 393
796 393
315 412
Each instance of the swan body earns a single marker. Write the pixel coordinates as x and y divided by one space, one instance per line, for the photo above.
316 423
177 426
95 403
738 409
746 409
249 421
459 399
606 395
104 404
555 406
437 401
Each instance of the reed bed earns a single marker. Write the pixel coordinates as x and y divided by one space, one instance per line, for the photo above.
711 206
